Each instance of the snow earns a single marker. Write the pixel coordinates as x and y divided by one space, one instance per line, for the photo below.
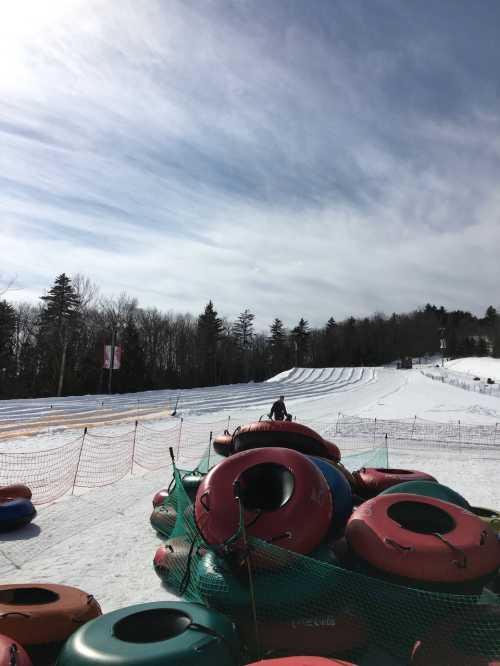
482 367
101 540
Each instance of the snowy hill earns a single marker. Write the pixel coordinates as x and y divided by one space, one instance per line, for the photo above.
482 367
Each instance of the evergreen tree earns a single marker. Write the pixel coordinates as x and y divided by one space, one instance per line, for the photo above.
7 340
300 337
277 344
243 329
243 334
58 321
209 333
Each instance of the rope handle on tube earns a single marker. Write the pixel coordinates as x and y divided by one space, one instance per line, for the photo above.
460 563
398 546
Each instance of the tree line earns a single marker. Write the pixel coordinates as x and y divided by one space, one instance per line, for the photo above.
56 347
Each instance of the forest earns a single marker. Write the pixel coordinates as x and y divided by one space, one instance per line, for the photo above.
56 347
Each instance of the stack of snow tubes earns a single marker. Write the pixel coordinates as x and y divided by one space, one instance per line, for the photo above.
16 508
330 558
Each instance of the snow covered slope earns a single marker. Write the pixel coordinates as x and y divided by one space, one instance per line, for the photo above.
482 367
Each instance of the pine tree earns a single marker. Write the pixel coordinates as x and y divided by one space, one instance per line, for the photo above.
7 335
300 336
243 329
58 321
277 343
209 333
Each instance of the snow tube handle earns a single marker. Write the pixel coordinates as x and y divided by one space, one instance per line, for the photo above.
27 615
483 538
398 546
204 504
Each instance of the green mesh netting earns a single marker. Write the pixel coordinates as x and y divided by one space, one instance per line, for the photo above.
309 606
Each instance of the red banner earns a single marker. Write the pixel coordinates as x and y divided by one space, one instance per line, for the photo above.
117 357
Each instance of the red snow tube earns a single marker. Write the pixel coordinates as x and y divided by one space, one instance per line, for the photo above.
287 434
423 539
15 491
468 637
160 497
12 654
373 480
333 451
302 661
285 497
340 632
223 445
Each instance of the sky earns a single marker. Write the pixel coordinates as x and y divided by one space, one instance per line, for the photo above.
299 159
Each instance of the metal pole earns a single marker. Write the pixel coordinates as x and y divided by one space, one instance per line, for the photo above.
209 447
179 440
112 358
133 451
79 458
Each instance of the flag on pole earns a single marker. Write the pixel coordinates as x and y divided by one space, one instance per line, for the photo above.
117 357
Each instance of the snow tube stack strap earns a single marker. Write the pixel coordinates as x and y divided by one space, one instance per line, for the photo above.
12 654
39 614
373 480
15 513
154 634
288 434
340 490
423 539
285 499
429 489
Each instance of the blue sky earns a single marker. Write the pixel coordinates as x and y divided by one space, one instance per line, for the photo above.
300 159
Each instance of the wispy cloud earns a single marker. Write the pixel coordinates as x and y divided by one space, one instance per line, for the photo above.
343 159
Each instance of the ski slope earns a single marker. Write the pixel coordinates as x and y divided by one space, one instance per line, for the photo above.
319 393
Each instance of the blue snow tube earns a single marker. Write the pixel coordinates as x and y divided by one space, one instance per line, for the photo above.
16 513
341 494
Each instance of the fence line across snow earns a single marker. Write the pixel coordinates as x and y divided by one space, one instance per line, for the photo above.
95 459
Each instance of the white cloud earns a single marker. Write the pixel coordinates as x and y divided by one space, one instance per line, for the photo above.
186 153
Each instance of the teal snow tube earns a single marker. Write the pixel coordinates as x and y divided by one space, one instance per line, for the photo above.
297 590
154 634
429 489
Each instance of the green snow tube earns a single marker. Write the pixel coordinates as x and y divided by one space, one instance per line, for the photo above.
295 591
154 634
429 489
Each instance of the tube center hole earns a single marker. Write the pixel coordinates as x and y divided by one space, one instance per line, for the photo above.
266 487
151 626
421 518
27 596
